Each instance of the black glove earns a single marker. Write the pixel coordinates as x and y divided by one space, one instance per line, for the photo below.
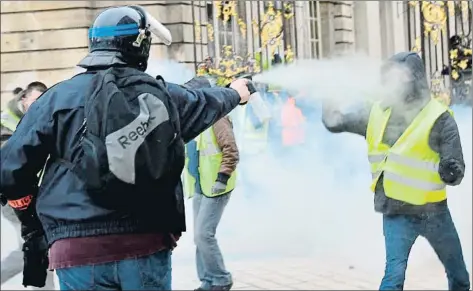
450 171
35 262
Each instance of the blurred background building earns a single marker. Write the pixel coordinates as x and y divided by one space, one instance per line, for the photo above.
44 40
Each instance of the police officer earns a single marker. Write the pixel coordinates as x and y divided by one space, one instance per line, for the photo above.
92 246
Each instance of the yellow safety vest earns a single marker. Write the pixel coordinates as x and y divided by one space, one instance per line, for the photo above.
210 159
410 166
9 119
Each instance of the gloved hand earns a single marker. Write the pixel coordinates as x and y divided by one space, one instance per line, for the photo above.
219 187
35 262
450 171
3 200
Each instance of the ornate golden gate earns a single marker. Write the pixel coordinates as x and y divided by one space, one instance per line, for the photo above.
441 31
243 36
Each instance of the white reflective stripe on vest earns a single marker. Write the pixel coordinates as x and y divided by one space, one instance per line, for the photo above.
423 185
414 163
410 162
210 148
376 158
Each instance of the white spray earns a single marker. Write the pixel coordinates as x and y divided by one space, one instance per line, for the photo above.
319 204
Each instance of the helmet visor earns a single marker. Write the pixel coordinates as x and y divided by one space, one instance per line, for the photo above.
159 30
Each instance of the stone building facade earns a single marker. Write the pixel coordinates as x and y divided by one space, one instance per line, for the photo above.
44 40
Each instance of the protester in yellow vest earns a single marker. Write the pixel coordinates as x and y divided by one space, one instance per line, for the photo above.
414 151
12 264
17 107
209 178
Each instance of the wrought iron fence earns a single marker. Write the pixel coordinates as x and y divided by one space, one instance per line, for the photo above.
243 36
441 32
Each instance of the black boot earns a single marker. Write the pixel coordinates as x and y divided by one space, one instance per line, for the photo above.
222 288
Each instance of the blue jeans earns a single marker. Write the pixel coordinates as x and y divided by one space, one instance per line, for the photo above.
152 272
400 233
209 260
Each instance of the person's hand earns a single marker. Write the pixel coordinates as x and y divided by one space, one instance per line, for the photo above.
450 171
331 115
35 262
241 86
219 187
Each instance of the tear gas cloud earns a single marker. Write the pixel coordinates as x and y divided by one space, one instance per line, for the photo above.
315 202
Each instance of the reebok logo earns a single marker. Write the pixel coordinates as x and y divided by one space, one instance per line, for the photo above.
123 144
132 136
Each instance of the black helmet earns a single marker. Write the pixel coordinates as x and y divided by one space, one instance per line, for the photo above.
124 35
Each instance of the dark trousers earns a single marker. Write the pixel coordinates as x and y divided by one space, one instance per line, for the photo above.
12 264
401 231
151 272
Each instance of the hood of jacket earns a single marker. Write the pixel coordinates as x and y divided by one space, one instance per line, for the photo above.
415 92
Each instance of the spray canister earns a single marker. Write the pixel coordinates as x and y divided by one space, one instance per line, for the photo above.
259 106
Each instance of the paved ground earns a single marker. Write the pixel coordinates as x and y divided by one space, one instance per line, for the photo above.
277 258
301 274
305 274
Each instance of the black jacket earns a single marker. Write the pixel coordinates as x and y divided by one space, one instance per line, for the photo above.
51 127
444 137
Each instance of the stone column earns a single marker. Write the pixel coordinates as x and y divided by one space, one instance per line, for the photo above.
398 26
344 27
189 41
337 27
367 28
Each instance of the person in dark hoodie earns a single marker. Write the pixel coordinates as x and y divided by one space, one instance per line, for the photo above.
117 235
414 151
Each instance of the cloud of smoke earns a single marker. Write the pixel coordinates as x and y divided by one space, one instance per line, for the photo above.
170 70
316 201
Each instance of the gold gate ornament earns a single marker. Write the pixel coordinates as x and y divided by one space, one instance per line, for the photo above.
435 18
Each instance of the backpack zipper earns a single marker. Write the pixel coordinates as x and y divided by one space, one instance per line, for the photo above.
83 128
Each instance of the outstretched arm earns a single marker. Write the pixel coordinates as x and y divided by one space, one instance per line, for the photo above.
201 108
353 122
